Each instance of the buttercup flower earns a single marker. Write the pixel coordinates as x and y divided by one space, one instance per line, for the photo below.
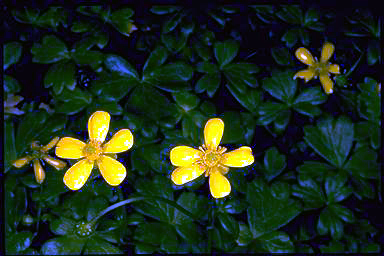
316 68
209 158
95 151
38 154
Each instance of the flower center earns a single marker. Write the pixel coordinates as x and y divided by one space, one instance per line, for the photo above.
92 150
212 158
83 229
321 68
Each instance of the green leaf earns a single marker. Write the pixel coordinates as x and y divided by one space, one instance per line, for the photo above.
11 85
207 67
164 9
310 192
95 206
277 242
229 224
274 163
290 37
27 15
332 139
71 107
155 233
119 65
53 17
172 22
203 51
234 206
329 222
281 86
9 146
373 52
291 14
92 58
209 83
186 100
174 72
240 75
61 75
154 154
268 213
155 59
311 16
62 226
363 164
63 245
51 50
156 105
314 169
281 56
18 242
342 212
333 247
112 107
250 98
113 87
282 120
336 189
29 128
269 111
98 246
245 235
120 19
12 53
234 132
225 52
76 95
192 203
313 96
192 125
174 42
190 232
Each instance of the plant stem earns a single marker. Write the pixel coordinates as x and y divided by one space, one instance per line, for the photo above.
354 65
140 198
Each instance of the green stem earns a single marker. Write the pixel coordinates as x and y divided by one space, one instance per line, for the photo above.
354 65
140 198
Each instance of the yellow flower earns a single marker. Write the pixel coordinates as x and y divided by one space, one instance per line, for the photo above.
10 105
95 150
316 68
210 158
38 154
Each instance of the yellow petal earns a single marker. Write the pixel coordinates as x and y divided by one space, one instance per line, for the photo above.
120 142
182 175
50 145
326 83
218 184
70 148
98 126
306 74
39 171
334 68
78 174
112 170
56 163
327 52
22 161
238 158
303 55
184 156
213 132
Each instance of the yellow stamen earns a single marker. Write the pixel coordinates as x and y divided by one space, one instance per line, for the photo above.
93 150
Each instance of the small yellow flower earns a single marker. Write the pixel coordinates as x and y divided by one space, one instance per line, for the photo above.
316 68
40 153
210 158
10 105
95 151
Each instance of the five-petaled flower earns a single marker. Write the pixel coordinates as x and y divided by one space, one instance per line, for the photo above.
95 150
210 158
316 68
40 153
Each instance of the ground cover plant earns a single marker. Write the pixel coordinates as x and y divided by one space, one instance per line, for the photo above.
144 128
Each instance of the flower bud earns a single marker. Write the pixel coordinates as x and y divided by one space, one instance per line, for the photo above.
22 161
39 171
